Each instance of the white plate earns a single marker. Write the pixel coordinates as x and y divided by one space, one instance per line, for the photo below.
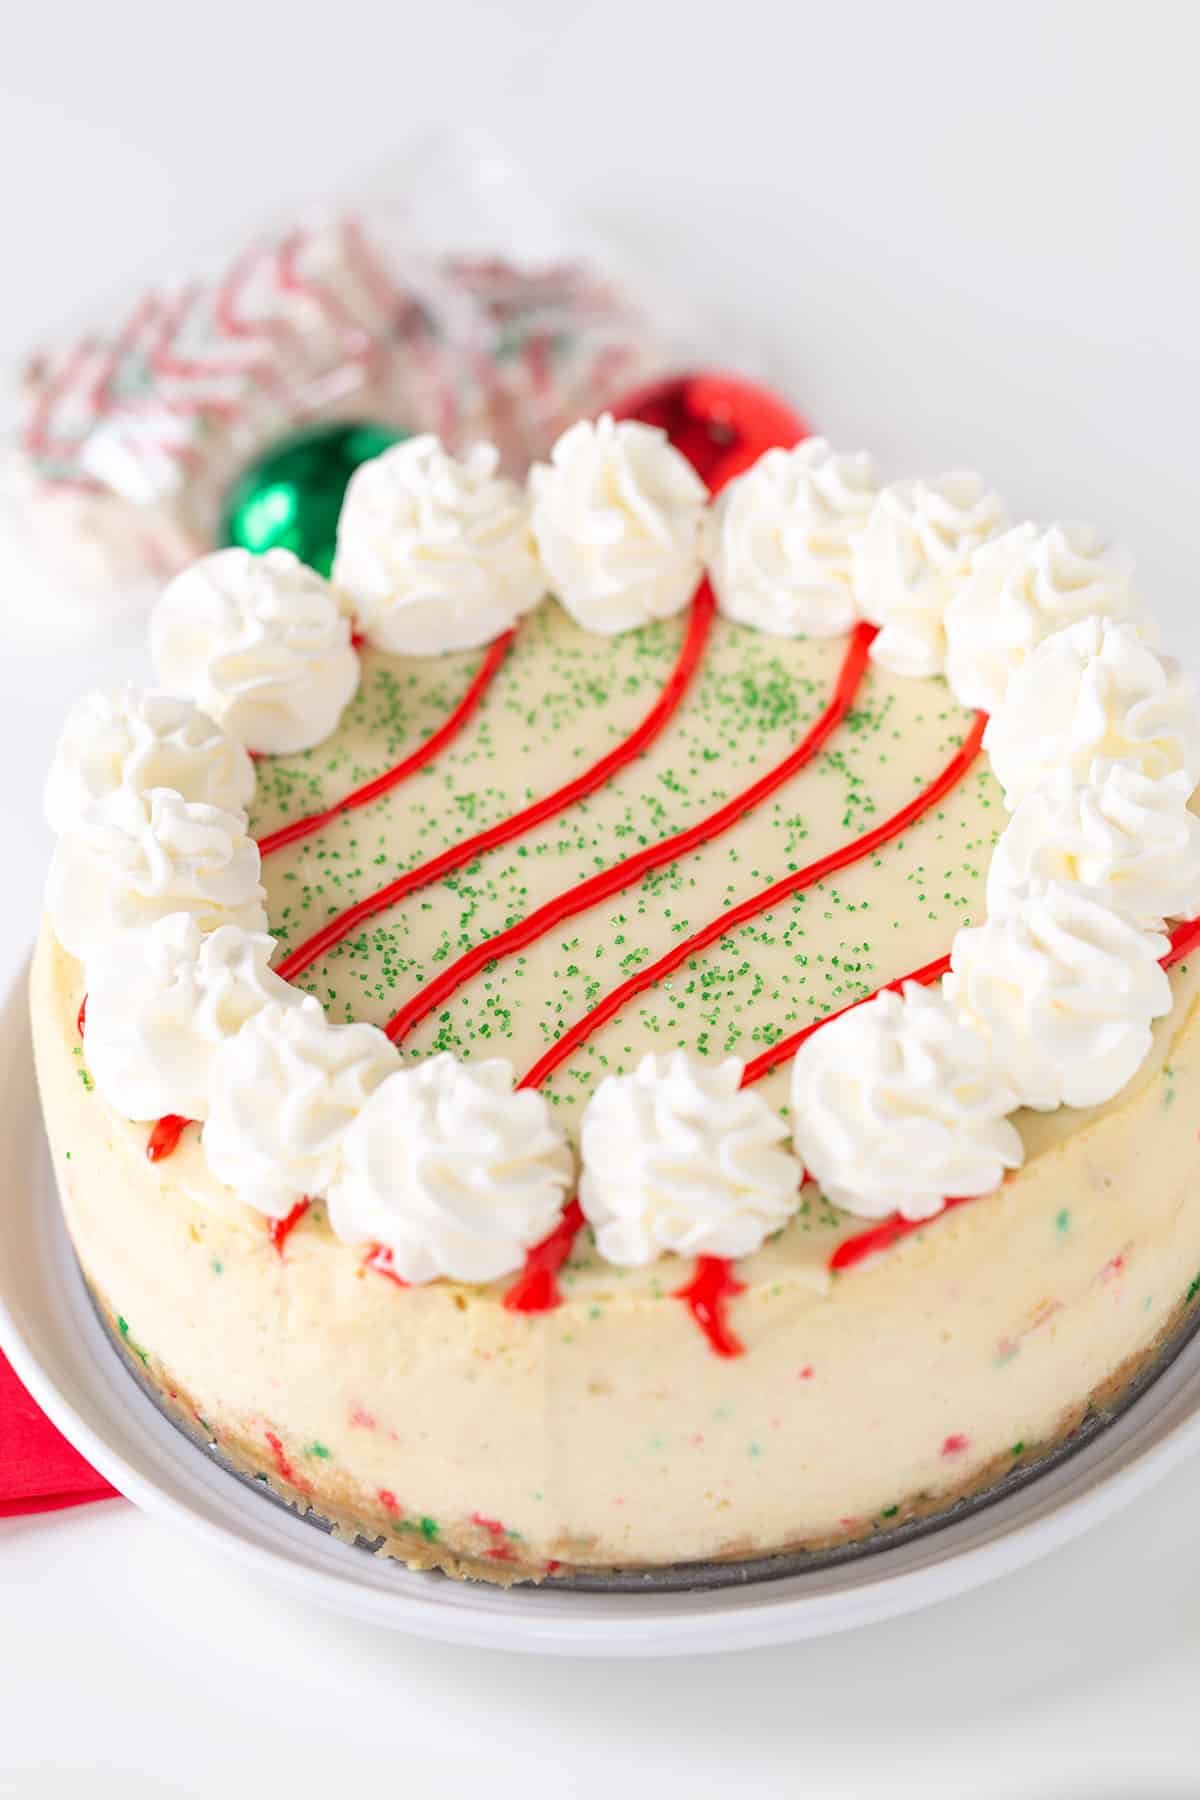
55 1343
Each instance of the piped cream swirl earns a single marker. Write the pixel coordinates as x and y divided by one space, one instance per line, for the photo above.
1131 842
912 557
897 1105
435 550
261 644
1094 690
126 740
1022 587
451 1171
618 517
160 1005
284 1091
679 1157
114 877
1063 993
779 537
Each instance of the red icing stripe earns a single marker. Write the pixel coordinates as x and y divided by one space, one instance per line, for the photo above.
383 784
621 875
571 792
762 902
787 1047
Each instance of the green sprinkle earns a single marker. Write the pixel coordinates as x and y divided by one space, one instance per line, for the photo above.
889 1512
1193 1290
218 1267
123 1328
1062 1221
1017 1449
318 1450
429 1530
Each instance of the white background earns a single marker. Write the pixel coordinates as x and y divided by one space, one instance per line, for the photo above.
950 233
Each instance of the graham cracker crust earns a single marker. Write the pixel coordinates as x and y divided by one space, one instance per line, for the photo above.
339 1513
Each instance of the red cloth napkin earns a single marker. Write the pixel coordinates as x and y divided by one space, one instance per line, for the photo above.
39 1470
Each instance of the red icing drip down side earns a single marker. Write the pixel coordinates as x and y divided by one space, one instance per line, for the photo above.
571 792
705 1295
726 922
621 875
81 1018
536 1288
424 753
379 1258
280 1230
164 1139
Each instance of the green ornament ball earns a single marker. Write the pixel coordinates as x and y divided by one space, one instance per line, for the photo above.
290 497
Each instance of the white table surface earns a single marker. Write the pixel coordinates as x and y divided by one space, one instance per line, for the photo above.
950 233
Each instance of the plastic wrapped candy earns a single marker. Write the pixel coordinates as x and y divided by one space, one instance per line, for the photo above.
443 302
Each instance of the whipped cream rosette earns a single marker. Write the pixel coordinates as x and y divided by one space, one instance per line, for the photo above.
679 1157
261 643
451 1171
1024 586
284 1091
1095 689
618 518
897 1105
113 877
911 558
1063 992
126 740
435 551
161 1004
779 540
1130 841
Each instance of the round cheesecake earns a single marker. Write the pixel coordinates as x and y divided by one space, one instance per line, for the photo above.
582 1414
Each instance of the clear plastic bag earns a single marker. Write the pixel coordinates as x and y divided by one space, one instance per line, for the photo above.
441 298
